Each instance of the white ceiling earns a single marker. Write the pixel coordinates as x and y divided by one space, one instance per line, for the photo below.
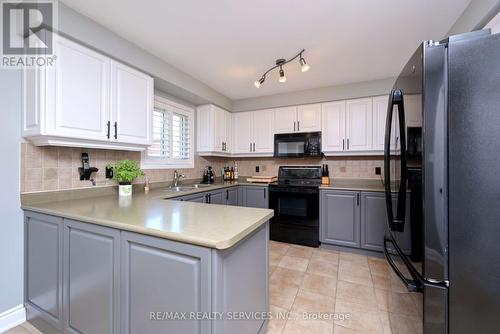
228 44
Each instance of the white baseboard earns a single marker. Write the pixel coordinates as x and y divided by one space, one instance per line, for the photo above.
11 318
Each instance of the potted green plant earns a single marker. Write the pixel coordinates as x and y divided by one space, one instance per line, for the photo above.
124 172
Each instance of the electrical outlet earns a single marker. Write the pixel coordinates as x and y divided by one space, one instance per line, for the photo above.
257 169
378 170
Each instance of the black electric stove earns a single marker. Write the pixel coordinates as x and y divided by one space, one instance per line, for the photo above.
295 201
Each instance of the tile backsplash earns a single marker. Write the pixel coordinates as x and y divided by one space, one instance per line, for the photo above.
56 168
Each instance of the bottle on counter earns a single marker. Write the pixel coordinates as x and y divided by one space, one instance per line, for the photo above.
211 175
232 173
325 178
236 170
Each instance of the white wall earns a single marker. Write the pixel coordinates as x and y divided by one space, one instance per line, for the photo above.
494 24
167 78
323 94
11 219
475 16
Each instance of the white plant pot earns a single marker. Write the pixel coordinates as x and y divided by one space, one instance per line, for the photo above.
125 190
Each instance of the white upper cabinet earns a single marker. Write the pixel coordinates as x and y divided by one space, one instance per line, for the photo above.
285 119
243 132
309 118
333 128
413 110
359 124
220 129
131 100
380 104
214 135
304 118
78 101
254 133
78 93
263 131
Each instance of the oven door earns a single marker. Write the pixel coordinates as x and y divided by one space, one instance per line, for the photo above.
296 215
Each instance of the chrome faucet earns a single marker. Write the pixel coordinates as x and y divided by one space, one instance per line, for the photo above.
177 177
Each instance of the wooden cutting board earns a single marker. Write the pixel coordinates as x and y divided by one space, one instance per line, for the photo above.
262 179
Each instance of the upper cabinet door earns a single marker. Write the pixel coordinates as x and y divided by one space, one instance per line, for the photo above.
131 105
263 131
380 104
78 93
228 147
359 125
242 129
333 129
413 110
286 119
309 118
220 129
205 136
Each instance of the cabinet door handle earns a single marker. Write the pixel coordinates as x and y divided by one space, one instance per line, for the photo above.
250 147
343 144
254 147
116 130
227 194
298 125
264 192
357 198
347 143
109 129
294 126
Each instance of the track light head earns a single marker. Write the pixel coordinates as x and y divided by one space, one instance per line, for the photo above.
304 67
282 75
259 82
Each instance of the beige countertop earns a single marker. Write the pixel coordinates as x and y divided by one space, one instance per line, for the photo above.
208 225
355 185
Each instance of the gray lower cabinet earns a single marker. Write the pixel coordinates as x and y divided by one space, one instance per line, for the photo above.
163 276
359 219
232 196
44 268
254 197
91 278
340 218
248 196
373 221
86 278
217 197
197 198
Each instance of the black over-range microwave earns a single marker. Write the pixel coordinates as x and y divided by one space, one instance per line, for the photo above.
307 144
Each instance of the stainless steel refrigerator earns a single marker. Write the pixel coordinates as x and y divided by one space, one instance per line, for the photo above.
457 82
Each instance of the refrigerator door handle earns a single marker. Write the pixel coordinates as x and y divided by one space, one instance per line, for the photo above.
415 284
395 223
434 283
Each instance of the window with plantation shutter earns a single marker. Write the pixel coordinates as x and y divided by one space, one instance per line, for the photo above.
172 136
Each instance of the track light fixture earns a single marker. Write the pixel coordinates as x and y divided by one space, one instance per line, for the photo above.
280 63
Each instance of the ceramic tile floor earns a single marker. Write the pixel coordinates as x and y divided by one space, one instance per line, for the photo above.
318 281
314 281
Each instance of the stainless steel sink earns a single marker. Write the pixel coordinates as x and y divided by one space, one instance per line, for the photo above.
201 186
178 189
